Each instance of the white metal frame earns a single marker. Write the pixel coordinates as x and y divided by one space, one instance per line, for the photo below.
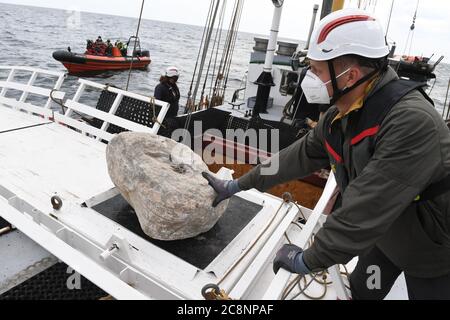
29 88
129 267
108 118
315 222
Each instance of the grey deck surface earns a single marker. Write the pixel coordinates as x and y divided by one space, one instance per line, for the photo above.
199 251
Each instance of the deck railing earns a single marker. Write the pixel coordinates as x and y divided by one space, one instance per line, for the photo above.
74 107
30 88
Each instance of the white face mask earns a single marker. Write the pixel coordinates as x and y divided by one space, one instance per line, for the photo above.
315 90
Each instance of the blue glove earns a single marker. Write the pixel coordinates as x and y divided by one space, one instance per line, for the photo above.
225 189
290 258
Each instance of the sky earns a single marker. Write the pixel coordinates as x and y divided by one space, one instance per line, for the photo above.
431 36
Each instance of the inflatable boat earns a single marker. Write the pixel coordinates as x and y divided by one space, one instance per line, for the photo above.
93 61
77 63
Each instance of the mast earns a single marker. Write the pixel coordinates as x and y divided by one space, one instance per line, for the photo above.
313 23
265 80
337 5
329 6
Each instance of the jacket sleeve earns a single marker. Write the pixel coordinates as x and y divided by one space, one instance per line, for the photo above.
406 160
299 160
160 93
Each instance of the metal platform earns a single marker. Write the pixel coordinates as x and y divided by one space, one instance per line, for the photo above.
199 251
51 284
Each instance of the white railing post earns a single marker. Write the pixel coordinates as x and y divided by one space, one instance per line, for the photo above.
338 283
112 111
76 98
9 79
29 84
282 278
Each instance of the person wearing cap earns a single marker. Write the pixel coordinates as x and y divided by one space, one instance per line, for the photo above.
167 90
389 150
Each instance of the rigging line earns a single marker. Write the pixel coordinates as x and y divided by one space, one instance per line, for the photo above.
217 56
200 48
233 46
432 87
205 50
229 45
236 33
135 43
224 53
234 37
190 104
222 13
390 17
445 103
412 29
297 107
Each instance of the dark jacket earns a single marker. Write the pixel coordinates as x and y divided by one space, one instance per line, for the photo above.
169 93
412 151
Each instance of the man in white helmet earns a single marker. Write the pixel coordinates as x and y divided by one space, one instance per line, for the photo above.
167 90
390 152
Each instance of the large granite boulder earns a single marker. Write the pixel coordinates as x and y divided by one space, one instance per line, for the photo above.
161 179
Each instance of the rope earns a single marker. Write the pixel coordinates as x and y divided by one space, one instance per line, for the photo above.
445 103
320 278
432 87
209 27
233 47
205 49
222 14
390 17
410 38
225 55
287 199
135 43
189 102
215 60
252 245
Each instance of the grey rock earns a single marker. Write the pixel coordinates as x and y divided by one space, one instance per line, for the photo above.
161 179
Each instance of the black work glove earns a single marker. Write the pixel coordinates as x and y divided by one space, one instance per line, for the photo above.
290 258
225 189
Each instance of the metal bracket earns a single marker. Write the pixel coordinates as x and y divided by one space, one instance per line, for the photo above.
120 247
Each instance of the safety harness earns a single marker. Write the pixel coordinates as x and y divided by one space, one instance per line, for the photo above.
365 124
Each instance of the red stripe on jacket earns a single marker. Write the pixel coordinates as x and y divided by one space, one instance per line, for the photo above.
335 155
366 133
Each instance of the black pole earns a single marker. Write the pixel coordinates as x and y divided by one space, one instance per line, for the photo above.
327 6
265 83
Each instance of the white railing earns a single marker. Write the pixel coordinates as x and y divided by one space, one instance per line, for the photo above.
282 278
29 88
74 106
108 118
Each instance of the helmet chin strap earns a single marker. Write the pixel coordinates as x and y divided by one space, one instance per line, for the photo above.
339 93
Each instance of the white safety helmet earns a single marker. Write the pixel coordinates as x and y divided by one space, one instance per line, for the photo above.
171 72
345 32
